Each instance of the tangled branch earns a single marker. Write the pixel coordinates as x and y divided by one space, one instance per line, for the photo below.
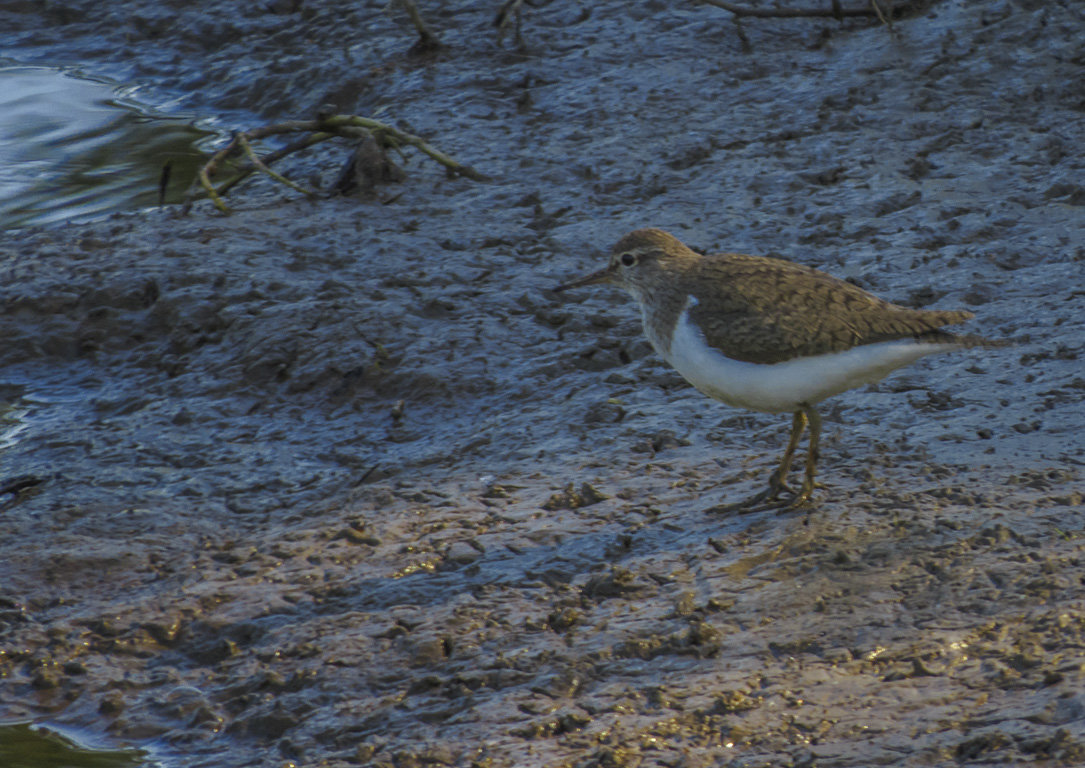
314 132
427 41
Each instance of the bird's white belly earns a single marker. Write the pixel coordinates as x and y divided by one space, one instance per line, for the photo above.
784 386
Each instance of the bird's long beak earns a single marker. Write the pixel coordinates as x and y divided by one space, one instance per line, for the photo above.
602 276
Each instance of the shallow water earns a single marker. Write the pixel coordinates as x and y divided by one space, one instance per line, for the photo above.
23 745
73 148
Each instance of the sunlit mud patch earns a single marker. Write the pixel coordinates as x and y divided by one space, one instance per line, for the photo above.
23 745
73 148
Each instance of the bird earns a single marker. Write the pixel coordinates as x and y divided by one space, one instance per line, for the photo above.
769 335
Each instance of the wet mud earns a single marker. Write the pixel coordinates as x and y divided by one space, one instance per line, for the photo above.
344 482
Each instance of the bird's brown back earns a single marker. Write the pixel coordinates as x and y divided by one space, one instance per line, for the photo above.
764 310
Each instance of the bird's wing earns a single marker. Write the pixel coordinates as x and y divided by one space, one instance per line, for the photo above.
767 311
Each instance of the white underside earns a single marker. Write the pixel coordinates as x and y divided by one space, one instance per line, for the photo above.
784 386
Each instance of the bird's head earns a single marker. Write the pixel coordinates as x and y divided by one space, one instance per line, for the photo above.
639 262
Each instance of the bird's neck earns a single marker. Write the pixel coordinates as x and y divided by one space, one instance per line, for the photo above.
660 312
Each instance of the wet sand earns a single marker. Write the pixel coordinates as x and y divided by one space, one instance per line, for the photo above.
305 470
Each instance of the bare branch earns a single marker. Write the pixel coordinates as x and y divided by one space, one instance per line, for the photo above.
509 16
384 131
427 41
262 167
323 128
881 16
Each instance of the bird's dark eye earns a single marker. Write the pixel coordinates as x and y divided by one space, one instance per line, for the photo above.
627 259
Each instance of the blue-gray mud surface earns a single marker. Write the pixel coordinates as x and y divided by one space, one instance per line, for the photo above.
305 468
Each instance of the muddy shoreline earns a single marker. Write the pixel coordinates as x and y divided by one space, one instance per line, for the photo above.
305 469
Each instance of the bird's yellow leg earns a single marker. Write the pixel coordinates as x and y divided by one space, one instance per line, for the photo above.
767 498
778 479
812 453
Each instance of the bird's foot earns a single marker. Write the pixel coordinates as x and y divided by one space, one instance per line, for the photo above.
778 496
802 498
770 498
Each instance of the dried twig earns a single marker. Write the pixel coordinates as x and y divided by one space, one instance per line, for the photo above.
509 16
246 147
273 156
427 41
318 130
886 20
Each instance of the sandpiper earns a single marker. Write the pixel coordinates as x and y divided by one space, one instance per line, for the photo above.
769 335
